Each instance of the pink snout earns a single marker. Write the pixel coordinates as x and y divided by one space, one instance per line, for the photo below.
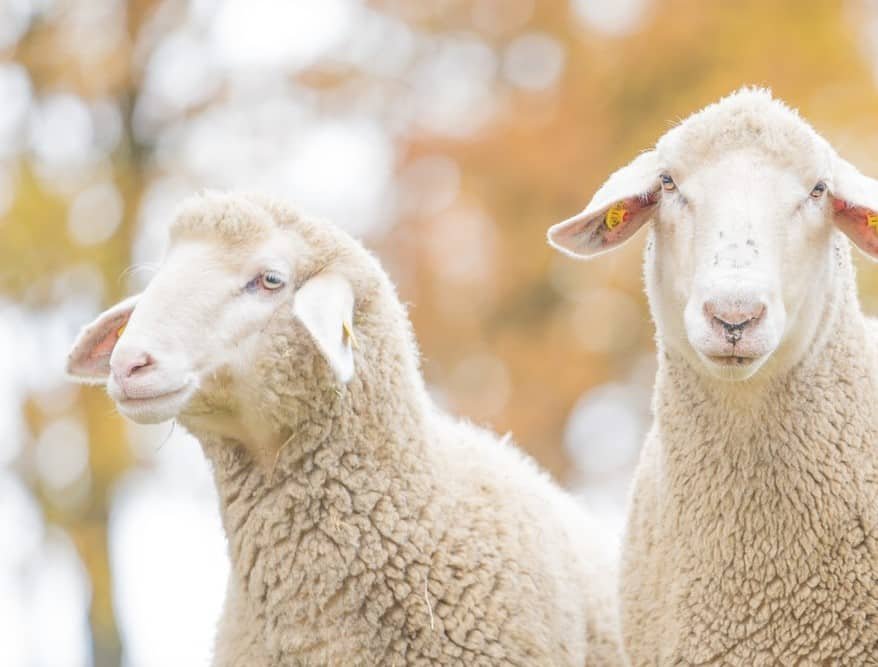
734 326
148 387
732 318
131 369
734 322
124 365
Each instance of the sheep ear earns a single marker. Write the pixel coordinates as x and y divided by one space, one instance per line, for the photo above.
89 358
855 206
621 207
325 305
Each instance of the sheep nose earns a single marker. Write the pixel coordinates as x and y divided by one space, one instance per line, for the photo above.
734 316
128 364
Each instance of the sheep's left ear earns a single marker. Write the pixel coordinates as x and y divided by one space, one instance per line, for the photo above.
325 305
89 358
854 200
622 206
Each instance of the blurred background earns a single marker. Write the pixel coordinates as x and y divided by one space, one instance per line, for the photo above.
447 134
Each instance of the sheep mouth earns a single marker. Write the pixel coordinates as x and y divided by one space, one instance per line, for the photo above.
158 407
145 399
732 360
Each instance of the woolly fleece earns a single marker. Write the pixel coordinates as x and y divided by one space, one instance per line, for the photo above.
383 532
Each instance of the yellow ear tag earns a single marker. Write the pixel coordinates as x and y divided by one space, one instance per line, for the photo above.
872 221
349 335
615 216
120 330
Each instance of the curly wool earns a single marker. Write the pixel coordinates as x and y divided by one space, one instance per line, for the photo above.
752 536
383 532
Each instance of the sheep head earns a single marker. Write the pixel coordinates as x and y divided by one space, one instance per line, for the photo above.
747 204
240 304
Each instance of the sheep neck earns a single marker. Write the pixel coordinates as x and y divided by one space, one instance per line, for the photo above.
346 478
338 437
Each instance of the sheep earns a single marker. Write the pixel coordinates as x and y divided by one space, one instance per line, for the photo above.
364 526
752 532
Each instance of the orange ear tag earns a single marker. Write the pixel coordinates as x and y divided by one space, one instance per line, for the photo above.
615 216
120 330
872 221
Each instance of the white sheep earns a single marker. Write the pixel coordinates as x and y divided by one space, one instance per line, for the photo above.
364 526
752 537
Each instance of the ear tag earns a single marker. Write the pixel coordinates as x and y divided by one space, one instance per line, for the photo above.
121 330
349 336
615 216
872 221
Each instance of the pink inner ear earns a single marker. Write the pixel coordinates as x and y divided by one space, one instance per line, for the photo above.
605 234
105 345
634 205
859 215
91 356
840 205
859 223
590 233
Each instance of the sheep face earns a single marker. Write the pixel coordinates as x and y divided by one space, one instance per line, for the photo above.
724 262
747 202
222 325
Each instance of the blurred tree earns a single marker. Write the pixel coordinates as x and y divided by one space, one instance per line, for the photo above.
36 247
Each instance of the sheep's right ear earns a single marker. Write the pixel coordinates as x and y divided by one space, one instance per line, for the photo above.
325 305
854 199
89 358
622 206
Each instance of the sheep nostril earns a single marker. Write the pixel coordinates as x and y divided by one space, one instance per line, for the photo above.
137 365
140 365
733 326
734 319
733 332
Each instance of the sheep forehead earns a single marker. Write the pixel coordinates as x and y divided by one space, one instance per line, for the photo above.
747 176
750 119
237 227
232 219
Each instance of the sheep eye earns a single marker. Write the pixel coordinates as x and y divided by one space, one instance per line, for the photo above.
818 190
667 183
271 280
268 280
